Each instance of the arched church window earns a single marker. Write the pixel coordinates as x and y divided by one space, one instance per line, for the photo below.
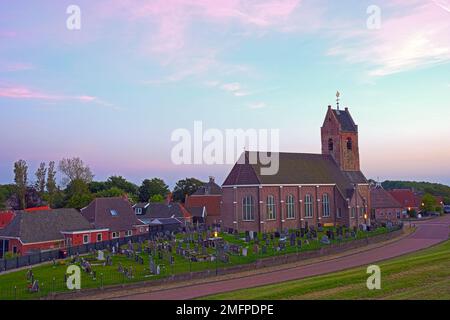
349 143
330 144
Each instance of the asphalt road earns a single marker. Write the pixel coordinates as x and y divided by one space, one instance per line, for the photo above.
428 233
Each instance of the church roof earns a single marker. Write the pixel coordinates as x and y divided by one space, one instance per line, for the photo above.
345 119
295 168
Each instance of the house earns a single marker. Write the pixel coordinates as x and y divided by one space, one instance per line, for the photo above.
308 189
209 196
163 216
407 199
384 206
115 214
5 218
44 230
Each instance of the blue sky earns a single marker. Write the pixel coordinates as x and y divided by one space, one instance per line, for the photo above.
114 91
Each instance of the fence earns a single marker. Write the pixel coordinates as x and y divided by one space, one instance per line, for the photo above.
46 256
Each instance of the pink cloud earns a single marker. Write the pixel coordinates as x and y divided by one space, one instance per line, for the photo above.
417 37
21 92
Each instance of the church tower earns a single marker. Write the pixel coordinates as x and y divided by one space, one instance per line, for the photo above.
340 138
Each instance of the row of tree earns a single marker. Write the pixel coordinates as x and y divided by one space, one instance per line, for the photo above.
78 188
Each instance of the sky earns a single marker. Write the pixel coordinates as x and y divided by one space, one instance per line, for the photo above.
113 91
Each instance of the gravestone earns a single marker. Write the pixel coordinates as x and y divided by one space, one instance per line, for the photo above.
264 249
100 255
244 251
325 240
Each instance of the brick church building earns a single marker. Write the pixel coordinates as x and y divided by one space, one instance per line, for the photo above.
308 190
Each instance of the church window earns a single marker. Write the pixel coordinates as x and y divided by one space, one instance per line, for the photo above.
349 143
271 212
308 206
247 209
330 144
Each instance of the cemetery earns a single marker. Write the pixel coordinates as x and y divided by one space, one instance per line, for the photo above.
189 250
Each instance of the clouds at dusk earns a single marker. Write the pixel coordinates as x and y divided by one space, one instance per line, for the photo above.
114 91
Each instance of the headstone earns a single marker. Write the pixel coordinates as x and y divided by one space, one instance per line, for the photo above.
264 249
325 240
100 255
244 251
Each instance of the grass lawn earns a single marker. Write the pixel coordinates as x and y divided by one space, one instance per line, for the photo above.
13 285
421 275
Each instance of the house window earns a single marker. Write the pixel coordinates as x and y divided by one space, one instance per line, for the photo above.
398 214
353 214
85 238
326 205
271 213
339 213
290 207
115 235
330 144
138 210
361 212
308 206
349 143
247 209
128 233
99 237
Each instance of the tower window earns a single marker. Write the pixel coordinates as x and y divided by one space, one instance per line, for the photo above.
330 144
349 143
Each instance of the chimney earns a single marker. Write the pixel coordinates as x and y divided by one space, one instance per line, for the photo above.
346 109
329 107
169 198
211 179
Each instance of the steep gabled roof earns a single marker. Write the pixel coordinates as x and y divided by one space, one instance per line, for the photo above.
162 210
405 197
209 188
115 214
383 199
44 225
295 168
345 120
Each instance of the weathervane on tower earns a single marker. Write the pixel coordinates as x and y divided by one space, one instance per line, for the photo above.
337 99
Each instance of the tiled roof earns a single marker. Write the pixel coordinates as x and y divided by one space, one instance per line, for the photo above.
162 210
45 225
405 197
345 119
115 214
381 198
296 168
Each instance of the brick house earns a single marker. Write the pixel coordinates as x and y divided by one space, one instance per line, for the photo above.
209 197
309 189
116 215
42 230
384 206
407 199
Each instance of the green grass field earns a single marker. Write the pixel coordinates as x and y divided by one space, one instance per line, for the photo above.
421 275
14 285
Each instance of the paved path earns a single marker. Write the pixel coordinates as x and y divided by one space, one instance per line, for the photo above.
428 233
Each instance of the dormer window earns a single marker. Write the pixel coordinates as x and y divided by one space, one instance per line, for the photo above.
114 213
330 144
138 210
349 143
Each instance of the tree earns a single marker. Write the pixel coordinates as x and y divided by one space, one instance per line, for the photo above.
428 203
75 169
110 193
121 183
157 198
152 187
51 183
20 178
78 194
185 187
40 178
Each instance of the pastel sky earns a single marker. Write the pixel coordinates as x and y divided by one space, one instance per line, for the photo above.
114 91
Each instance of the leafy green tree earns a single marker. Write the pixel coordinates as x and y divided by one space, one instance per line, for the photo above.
51 186
110 193
20 179
40 178
428 203
78 194
121 183
186 187
157 198
75 169
152 187
97 186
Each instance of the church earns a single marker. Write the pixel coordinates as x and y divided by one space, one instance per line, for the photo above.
325 189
